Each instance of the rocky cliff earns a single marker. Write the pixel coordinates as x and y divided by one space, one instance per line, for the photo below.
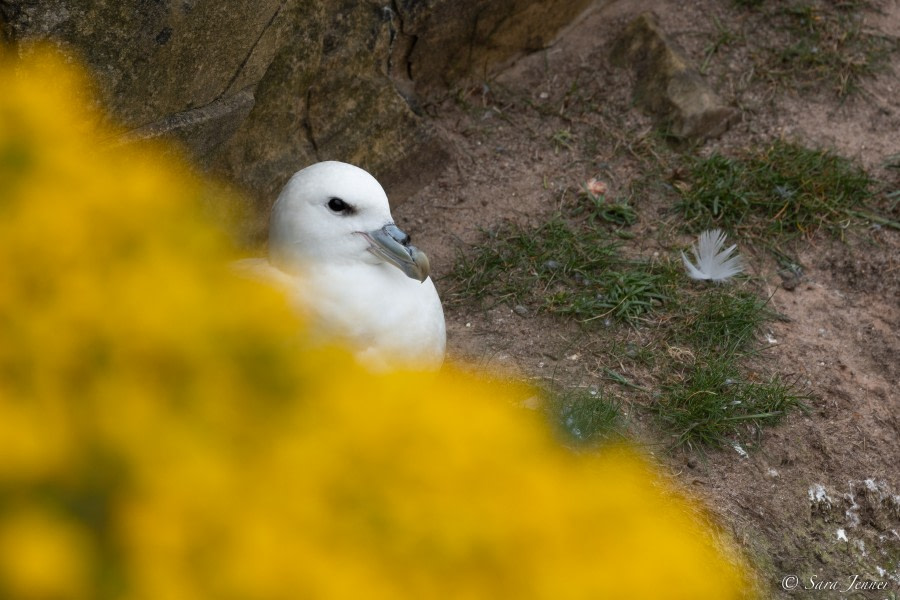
257 90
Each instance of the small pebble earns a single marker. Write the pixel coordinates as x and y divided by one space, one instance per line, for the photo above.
520 310
551 265
789 283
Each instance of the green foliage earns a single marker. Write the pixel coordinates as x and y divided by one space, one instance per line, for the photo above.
781 191
624 295
710 400
724 320
713 403
599 210
826 44
723 37
585 416
564 268
562 139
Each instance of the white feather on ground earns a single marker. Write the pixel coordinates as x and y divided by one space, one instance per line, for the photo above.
334 246
713 263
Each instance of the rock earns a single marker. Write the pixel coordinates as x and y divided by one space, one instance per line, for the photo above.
328 95
790 283
790 279
347 84
257 90
452 39
520 310
667 86
185 68
155 60
203 129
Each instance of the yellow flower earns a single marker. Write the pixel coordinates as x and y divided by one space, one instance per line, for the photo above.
167 432
43 556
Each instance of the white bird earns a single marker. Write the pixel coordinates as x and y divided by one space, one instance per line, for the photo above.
352 271
713 263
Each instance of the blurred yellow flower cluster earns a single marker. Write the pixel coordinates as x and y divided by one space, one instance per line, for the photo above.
166 434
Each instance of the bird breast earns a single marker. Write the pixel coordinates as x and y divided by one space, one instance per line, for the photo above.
389 319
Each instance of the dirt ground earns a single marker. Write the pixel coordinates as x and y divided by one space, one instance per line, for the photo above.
817 497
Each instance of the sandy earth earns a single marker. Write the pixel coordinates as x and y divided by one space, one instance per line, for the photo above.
818 497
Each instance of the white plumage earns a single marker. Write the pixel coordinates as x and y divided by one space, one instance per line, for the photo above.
333 243
713 263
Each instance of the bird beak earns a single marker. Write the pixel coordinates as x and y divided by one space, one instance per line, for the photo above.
392 245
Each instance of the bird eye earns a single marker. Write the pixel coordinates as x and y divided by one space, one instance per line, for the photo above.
339 206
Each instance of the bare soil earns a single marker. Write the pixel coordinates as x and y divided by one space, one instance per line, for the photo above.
817 497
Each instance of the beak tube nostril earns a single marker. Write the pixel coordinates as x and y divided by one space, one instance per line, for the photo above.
392 245
398 234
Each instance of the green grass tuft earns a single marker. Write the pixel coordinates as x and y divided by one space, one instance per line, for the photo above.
826 45
599 210
779 192
723 320
585 417
562 139
712 404
712 401
566 269
623 295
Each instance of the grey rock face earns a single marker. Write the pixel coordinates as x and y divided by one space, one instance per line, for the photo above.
183 68
259 89
155 59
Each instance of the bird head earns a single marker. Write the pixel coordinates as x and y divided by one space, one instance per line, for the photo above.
336 213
